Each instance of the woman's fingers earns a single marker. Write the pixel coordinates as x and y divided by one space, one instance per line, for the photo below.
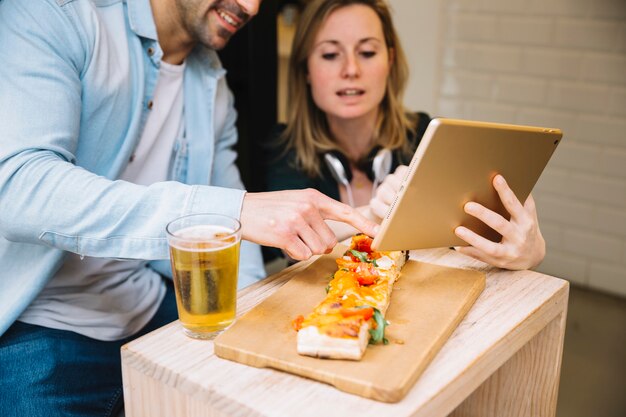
508 197
489 217
387 191
480 243
521 246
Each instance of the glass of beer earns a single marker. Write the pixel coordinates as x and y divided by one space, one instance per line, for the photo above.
204 252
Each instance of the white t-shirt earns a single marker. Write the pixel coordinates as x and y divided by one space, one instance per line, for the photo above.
109 299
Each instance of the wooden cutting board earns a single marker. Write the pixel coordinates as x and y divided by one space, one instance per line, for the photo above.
427 304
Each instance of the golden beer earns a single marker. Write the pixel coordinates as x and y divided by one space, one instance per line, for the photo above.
205 263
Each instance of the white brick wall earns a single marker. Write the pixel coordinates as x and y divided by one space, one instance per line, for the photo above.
556 63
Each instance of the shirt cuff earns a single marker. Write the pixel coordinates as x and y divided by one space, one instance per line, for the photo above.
219 200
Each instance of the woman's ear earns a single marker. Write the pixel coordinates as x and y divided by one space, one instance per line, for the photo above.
392 56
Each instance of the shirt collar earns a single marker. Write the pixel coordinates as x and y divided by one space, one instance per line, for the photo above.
142 23
141 18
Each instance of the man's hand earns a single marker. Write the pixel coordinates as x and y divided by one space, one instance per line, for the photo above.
386 192
522 245
294 221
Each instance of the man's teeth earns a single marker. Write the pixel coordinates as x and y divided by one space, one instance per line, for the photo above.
227 18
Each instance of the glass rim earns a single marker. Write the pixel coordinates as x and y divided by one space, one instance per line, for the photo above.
234 232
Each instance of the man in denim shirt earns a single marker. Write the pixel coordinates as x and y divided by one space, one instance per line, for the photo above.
116 119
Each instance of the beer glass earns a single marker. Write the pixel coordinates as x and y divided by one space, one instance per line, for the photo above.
204 252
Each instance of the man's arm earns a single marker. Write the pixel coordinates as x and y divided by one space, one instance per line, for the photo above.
47 198
226 174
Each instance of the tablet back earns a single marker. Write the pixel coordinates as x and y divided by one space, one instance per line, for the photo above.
454 163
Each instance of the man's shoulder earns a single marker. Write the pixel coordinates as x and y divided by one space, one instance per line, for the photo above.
52 10
97 3
64 3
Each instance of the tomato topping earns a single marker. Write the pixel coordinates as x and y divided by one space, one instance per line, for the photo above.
369 280
365 312
362 243
297 322
350 265
366 274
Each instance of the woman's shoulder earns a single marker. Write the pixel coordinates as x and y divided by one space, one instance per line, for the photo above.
274 144
421 121
281 169
277 154
274 136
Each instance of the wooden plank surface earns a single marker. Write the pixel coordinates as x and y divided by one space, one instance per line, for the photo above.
168 374
427 304
527 384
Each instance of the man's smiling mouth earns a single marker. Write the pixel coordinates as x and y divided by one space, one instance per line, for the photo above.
228 18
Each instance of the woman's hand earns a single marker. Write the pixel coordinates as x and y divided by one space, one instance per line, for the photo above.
386 192
522 245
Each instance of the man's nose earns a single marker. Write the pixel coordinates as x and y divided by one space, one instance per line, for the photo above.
250 7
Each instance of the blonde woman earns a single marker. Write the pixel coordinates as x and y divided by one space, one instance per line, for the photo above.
347 128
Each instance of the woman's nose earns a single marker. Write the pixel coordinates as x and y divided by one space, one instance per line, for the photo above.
351 68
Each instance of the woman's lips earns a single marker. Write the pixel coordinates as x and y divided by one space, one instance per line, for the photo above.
350 92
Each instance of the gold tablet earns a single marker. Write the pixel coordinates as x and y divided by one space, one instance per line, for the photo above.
454 163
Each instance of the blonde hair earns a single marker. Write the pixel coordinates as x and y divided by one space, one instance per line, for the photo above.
307 129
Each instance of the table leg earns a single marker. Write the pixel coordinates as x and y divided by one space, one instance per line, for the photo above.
527 384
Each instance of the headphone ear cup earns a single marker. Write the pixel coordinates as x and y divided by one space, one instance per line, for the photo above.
340 170
338 167
381 165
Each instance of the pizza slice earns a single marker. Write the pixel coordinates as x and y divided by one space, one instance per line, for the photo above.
352 314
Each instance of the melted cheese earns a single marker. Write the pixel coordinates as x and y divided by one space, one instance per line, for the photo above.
333 329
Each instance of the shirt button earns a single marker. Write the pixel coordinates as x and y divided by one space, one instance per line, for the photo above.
150 51
132 158
150 104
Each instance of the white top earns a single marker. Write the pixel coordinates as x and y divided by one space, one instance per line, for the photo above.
109 299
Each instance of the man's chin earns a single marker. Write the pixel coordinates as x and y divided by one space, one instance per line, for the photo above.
217 42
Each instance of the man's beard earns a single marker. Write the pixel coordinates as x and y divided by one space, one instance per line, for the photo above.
219 39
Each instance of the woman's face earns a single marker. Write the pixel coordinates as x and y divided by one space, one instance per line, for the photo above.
349 63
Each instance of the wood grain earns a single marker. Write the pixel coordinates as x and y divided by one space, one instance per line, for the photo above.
168 374
527 384
428 302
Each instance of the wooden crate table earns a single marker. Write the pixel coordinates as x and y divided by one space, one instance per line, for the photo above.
504 359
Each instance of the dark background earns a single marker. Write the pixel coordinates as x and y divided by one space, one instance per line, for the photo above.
250 59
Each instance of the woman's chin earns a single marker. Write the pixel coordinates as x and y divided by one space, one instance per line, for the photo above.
350 114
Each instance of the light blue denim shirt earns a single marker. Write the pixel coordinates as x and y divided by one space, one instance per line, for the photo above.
76 80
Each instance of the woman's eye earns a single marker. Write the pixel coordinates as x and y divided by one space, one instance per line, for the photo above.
368 54
329 56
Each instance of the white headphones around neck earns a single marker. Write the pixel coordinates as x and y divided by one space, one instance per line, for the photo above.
339 168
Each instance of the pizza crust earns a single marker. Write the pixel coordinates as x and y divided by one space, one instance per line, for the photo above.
313 343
